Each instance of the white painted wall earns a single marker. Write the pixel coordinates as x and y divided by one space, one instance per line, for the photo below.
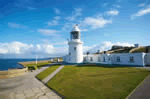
112 58
125 59
147 58
76 55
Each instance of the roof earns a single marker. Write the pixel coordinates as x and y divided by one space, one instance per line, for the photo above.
75 28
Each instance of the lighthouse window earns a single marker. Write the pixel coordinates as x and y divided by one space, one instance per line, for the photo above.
75 48
75 35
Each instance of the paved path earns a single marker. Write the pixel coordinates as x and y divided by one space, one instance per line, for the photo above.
52 75
25 87
143 90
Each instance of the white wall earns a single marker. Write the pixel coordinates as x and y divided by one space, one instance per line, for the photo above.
147 58
112 58
76 55
125 59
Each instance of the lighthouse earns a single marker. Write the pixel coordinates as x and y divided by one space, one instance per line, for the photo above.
75 46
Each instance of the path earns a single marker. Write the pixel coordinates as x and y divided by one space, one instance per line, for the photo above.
52 75
143 90
25 87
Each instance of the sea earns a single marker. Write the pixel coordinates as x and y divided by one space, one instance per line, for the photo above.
6 64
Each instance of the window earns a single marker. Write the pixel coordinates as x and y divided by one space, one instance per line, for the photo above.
84 59
69 53
131 59
103 59
69 58
118 59
75 36
91 59
99 59
75 48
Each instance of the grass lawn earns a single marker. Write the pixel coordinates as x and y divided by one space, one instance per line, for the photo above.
32 64
46 72
92 82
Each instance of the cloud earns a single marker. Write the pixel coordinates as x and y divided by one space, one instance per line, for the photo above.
57 17
104 46
19 49
141 5
14 25
77 12
56 10
31 8
21 5
83 30
13 48
112 12
104 4
54 22
141 12
49 32
95 23
117 6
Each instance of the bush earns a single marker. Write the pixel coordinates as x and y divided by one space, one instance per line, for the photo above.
32 67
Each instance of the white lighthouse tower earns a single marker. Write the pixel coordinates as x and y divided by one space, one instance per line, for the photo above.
75 46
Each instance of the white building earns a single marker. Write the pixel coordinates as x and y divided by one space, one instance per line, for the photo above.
75 47
122 59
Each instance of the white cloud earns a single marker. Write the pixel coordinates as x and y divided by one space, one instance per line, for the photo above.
83 30
48 32
104 46
23 6
141 5
117 6
112 12
56 10
31 8
57 17
104 4
14 25
75 14
141 13
13 47
95 23
25 50
54 22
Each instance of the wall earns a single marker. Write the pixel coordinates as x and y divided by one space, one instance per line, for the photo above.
112 59
125 59
76 55
147 59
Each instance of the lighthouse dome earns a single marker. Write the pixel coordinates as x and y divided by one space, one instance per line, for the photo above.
75 28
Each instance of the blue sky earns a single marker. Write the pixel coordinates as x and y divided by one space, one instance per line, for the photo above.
43 26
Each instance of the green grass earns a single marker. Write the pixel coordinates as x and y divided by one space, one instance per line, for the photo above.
91 82
33 66
46 72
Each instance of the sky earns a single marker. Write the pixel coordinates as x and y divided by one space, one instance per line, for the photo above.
30 28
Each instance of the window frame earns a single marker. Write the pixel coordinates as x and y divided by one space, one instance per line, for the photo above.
118 58
131 59
91 58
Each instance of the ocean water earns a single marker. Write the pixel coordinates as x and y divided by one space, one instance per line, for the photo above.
6 64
